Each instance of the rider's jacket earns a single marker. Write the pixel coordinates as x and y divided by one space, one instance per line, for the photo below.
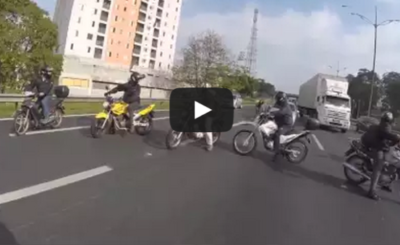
131 92
283 116
42 85
379 137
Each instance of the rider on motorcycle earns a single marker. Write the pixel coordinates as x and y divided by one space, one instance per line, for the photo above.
283 119
131 95
43 86
379 138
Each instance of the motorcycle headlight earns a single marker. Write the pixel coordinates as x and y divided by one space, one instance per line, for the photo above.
106 104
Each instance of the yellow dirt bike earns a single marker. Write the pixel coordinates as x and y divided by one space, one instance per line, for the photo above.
114 118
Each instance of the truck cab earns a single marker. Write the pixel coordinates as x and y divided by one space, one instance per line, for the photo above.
334 111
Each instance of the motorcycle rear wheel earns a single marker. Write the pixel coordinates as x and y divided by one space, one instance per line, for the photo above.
298 145
172 140
144 130
349 174
58 118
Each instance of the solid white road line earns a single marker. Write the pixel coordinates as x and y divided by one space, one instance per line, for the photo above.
49 131
320 146
66 116
47 186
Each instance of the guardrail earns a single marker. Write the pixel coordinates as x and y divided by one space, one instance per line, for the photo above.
19 98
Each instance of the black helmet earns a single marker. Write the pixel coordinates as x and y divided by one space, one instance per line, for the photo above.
46 71
280 98
312 124
387 117
136 77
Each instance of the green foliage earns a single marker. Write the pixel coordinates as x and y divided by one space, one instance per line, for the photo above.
391 87
360 89
205 62
27 41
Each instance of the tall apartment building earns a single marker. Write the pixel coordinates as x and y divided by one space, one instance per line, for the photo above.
124 33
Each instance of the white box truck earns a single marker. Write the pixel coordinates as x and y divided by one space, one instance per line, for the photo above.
325 97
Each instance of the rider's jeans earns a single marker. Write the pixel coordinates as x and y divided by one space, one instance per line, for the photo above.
45 102
209 138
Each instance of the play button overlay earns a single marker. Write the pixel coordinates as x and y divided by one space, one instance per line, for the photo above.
201 110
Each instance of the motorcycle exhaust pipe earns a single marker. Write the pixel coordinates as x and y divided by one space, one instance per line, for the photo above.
351 167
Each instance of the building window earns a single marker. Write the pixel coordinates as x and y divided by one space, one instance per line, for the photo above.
166 15
176 9
93 24
159 65
109 54
79 20
117 55
161 54
160 43
143 60
163 34
125 9
72 46
116 18
131 23
95 11
82 7
127 45
172 37
88 49
170 46
112 41
173 28
168 66
120 31
76 33
89 36
114 30
117 6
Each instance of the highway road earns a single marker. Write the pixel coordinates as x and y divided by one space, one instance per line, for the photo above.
63 187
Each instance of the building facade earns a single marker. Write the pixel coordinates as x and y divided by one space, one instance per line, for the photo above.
119 34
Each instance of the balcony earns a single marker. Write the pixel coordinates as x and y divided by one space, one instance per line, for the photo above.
154 43
152 64
100 41
138 38
142 17
98 53
159 13
136 49
156 33
135 61
107 4
157 23
143 6
102 28
104 16
161 3
153 54
140 28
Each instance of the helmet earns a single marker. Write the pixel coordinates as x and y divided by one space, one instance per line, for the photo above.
280 98
260 102
387 117
135 77
46 71
312 124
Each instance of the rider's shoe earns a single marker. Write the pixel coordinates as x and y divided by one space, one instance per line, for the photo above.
45 120
387 188
209 147
372 195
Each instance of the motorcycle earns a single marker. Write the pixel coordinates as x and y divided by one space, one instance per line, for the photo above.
359 165
294 148
30 115
114 118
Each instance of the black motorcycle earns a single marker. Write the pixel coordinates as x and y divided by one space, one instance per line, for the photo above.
30 115
359 165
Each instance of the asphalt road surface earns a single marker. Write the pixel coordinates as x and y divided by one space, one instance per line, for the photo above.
63 187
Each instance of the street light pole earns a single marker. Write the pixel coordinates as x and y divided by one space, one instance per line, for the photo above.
338 69
375 24
373 61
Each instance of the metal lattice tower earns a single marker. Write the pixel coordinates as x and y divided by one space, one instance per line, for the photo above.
251 55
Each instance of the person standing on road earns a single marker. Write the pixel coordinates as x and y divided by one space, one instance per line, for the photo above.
43 86
131 96
379 138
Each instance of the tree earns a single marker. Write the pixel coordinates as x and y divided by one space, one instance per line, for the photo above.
27 41
205 61
391 87
266 89
360 89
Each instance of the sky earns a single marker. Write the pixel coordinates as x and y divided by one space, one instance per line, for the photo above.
296 39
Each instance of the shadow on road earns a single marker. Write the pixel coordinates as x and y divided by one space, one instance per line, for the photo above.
297 170
6 236
85 121
156 138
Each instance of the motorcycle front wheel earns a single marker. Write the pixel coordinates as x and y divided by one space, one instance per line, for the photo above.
246 138
96 129
296 152
216 137
353 177
173 139
21 123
